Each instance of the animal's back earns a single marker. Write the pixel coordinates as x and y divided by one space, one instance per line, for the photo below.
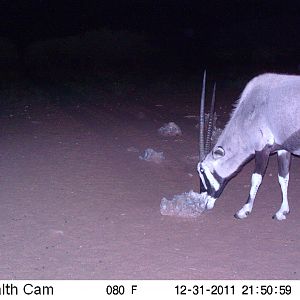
279 104
269 104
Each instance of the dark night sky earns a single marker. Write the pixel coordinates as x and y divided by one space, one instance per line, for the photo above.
41 18
236 26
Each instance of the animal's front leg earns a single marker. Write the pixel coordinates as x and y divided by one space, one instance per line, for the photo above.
247 208
284 159
261 162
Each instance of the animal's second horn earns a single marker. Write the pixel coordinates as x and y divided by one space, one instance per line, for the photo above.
202 120
210 122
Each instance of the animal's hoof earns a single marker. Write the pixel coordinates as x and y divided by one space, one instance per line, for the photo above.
279 218
242 214
237 216
280 215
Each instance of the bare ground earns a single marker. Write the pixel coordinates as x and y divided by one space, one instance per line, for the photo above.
78 203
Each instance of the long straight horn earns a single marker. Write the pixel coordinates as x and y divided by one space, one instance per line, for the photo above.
202 120
210 122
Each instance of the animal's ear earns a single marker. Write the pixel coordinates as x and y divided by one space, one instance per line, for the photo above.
218 152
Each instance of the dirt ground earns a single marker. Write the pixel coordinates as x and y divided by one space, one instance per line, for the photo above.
78 203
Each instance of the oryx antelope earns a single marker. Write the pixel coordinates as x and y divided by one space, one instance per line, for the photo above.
266 120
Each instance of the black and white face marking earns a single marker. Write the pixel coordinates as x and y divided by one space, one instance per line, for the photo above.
208 179
212 183
202 178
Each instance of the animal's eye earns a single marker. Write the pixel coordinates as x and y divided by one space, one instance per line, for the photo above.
218 152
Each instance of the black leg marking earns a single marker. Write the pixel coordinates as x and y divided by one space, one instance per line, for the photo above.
261 160
284 163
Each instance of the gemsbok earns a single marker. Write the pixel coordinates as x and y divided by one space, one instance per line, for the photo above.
265 120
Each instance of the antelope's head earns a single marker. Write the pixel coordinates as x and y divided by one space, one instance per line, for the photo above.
220 162
212 181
